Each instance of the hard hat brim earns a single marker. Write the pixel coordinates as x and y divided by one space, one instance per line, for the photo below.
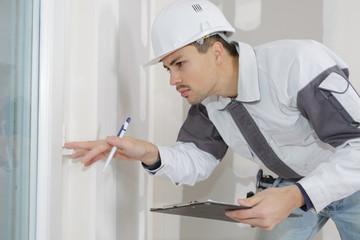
157 59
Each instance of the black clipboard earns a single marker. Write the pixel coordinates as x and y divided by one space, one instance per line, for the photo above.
206 209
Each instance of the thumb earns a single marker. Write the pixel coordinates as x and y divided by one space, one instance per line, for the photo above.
114 141
249 202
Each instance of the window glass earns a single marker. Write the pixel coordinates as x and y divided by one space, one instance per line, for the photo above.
18 111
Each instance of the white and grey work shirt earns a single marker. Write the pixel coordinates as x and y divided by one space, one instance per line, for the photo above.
298 95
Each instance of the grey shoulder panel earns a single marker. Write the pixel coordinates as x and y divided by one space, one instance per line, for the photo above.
321 105
199 130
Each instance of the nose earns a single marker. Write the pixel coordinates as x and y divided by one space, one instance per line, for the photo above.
174 79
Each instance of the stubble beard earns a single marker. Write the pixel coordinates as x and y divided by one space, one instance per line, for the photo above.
197 99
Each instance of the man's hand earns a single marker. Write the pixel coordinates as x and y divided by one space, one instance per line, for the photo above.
128 148
269 207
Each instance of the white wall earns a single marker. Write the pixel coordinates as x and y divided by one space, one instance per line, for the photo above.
341 33
100 46
133 100
89 197
104 85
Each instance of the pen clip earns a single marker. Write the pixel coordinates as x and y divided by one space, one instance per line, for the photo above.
121 129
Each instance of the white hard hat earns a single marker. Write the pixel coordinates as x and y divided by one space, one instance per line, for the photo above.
184 22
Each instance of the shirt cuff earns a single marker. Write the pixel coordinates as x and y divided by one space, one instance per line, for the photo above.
153 168
308 204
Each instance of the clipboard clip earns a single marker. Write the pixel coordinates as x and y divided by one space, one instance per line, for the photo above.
180 204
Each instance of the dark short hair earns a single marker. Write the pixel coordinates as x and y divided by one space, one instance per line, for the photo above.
203 48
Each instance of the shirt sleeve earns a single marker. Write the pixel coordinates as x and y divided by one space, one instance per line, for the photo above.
331 105
183 163
308 204
153 167
198 150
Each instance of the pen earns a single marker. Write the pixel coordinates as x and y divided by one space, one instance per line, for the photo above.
120 135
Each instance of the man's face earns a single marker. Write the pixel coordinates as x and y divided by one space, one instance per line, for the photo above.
192 73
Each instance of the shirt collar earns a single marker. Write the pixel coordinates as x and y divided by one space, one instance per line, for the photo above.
248 81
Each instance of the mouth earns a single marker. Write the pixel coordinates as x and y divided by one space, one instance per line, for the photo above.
184 92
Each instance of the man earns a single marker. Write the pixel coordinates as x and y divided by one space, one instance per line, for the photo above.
287 105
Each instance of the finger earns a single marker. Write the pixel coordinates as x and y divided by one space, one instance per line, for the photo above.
97 151
79 154
251 201
251 218
112 140
257 222
82 145
93 160
240 215
74 145
116 141
245 202
102 156
70 144
234 214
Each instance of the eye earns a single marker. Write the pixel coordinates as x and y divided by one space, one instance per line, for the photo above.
167 69
180 64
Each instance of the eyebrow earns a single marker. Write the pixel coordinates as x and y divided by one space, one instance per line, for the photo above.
173 61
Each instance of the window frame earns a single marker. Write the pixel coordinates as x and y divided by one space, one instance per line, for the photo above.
50 116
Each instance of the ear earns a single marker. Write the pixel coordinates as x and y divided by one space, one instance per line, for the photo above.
218 52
